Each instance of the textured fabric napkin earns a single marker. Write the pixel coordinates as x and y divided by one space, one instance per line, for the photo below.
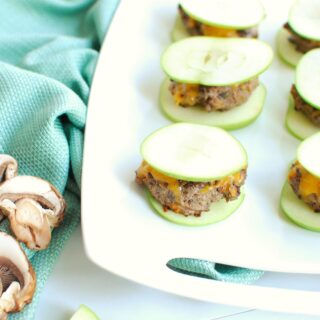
48 53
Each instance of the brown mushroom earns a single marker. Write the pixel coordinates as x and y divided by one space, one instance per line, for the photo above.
33 207
18 280
8 170
8 167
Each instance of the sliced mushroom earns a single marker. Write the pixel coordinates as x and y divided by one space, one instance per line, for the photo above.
33 206
8 170
18 280
8 167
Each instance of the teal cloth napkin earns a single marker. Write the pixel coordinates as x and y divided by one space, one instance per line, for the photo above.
48 53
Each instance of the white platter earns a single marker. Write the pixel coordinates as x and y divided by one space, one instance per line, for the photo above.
123 235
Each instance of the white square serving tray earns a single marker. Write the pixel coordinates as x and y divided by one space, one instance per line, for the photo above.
122 233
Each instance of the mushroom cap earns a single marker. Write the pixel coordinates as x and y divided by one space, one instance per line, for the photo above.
8 170
34 188
8 167
33 206
20 291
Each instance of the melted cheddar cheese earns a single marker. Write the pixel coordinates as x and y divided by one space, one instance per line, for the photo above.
309 184
226 185
212 31
185 94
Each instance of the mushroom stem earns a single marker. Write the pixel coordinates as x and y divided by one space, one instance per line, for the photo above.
8 167
31 224
8 297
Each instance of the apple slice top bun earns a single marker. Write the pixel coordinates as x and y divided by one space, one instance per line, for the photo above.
233 14
194 152
304 19
307 79
309 154
216 61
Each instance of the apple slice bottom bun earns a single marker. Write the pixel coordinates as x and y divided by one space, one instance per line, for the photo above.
219 211
179 31
298 124
298 211
286 49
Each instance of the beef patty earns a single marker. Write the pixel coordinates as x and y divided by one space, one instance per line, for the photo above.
189 198
305 185
301 44
212 98
197 28
300 105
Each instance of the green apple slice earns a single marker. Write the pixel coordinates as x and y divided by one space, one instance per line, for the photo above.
297 211
194 152
308 78
309 154
286 50
298 124
179 31
216 61
232 14
84 313
235 118
304 18
218 211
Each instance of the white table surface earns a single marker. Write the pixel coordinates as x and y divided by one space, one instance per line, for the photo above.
77 280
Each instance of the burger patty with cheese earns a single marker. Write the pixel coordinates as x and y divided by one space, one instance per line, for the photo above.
302 106
212 98
185 197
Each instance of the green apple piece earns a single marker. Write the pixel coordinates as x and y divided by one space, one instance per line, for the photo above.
286 50
218 211
84 313
179 31
304 19
297 211
232 14
308 78
309 154
235 118
216 61
194 152
298 124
